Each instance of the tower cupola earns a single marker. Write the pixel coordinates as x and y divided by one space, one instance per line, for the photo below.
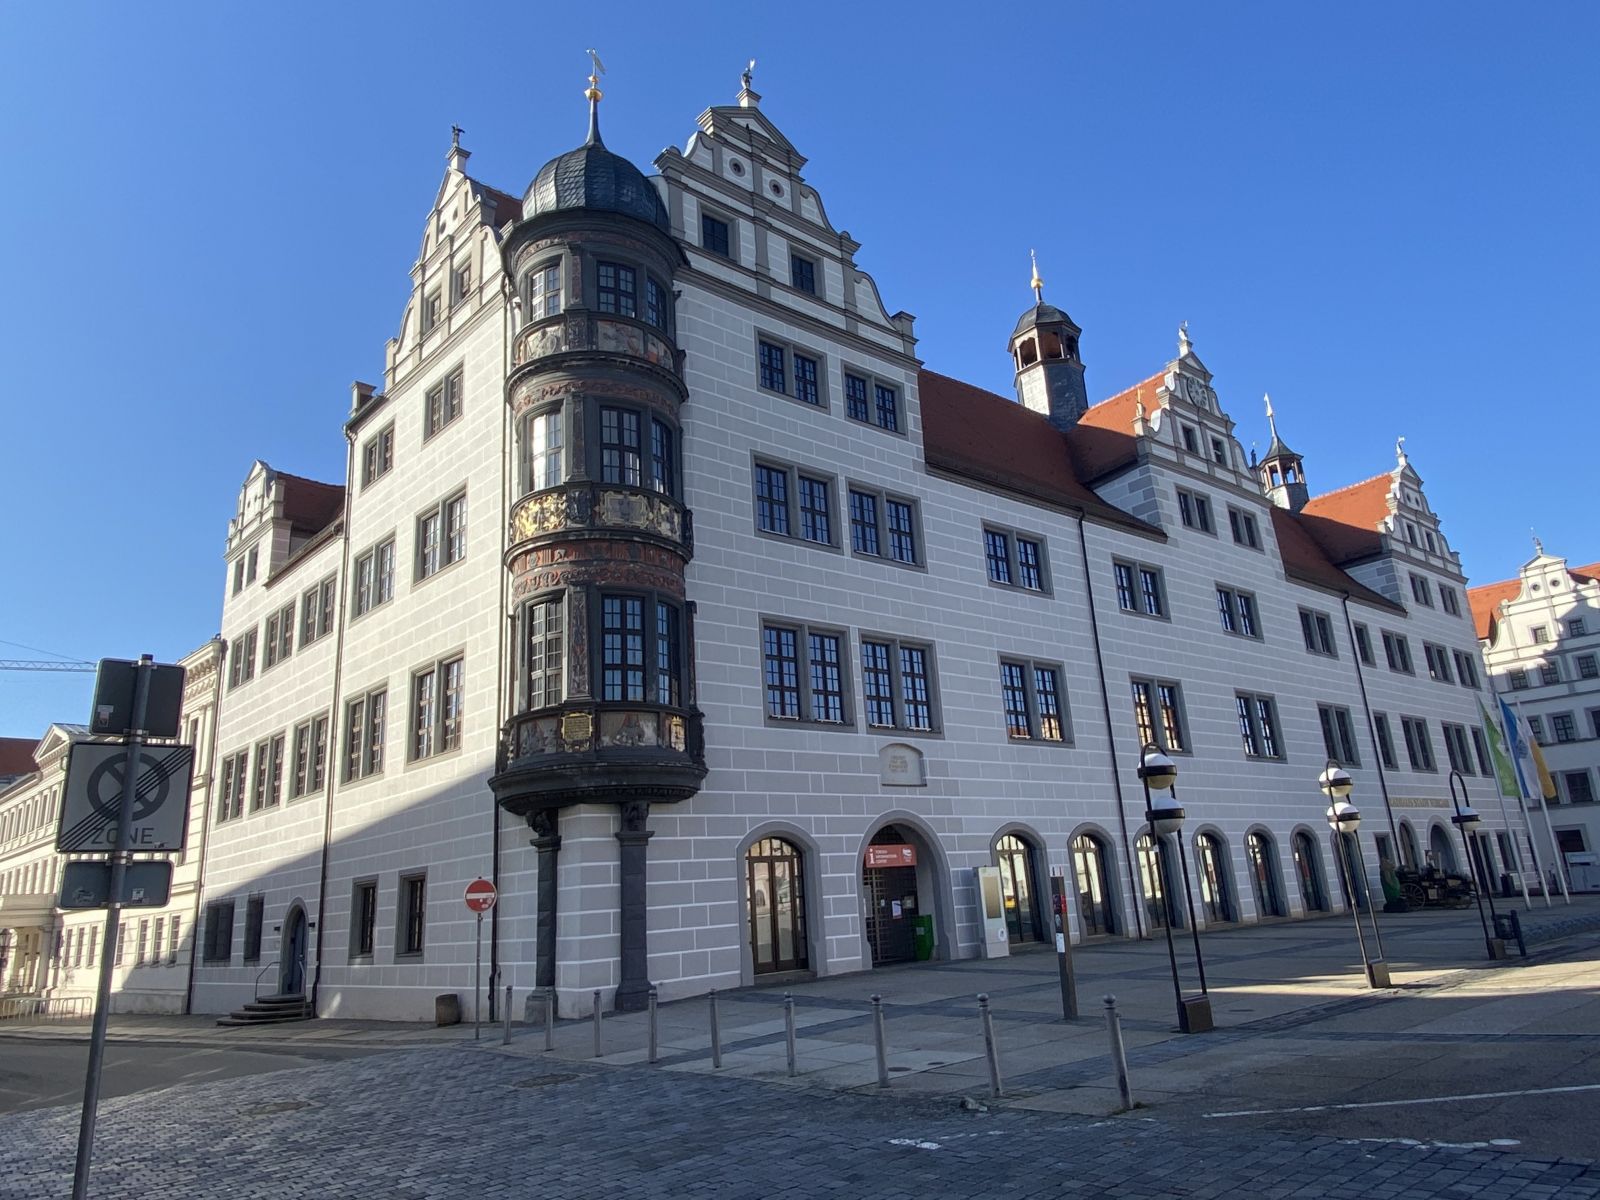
1044 354
1283 477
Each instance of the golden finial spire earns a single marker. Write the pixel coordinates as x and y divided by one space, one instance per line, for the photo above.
1271 420
592 94
1036 284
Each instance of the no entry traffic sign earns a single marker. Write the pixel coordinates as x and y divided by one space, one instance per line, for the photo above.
480 895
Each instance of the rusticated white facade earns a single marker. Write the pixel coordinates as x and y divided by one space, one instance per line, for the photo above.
763 869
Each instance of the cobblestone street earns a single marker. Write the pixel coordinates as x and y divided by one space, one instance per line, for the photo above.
465 1121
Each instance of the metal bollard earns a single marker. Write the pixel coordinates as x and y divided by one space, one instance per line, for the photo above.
877 1035
506 1040
550 1018
716 1032
788 1029
654 1054
1118 1054
989 1046
597 1022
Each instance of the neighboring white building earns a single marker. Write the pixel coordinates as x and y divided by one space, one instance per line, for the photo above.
53 955
668 590
1541 642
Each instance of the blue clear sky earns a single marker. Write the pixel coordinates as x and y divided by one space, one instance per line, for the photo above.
1381 213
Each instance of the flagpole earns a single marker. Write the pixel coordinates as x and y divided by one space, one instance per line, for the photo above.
1522 875
1515 721
1501 752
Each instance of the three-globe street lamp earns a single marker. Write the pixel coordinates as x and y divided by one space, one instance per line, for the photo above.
1164 815
1467 821
1344 818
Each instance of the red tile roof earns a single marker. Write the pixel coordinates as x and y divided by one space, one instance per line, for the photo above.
310 506
16 756
975 433
1345 522
1485 599
1304 559
1104 439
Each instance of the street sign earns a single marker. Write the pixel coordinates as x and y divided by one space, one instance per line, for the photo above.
92 798
88 884
481 895
114 683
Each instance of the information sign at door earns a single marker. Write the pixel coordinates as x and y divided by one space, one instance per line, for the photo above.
891 856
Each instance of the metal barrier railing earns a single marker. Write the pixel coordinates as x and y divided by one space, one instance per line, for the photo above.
46 1008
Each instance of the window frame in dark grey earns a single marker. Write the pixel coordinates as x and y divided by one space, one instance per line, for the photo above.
1517 679
1457 747
1239 519
218 944
449 391
1219 451
613 299
1139 591
1190 437
1549 672
535 459
1034 720
872 408
1339 734
1417 737
432 311
1588 667
373 559
1539 635
234 783
450 544
807 665
1421 590
278 642
361 756
1385 739
377 456
436 731
255 912
802 273
1588 786
266 777
533 299
1480 747
411 916
552 680
1467 669
242 659
1194 511
1260 727
1397 646
309 756
363 919
654 668
1316 631
1236 609
1577 627
1162 717
1363 636
791 382
795 511
1449 600
897 648
1438 659
1011 554
883 530
709 236
1563 728
316 611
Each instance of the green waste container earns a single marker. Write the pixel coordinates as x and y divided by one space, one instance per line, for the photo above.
922 937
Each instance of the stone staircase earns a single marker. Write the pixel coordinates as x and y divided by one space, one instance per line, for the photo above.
270 1010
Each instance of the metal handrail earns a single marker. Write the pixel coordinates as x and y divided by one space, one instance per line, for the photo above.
260 973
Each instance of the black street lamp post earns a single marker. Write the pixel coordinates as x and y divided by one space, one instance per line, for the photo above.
1467 821
1345 819
1164 815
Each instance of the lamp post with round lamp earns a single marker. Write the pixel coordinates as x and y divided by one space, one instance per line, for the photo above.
1345 819
1164 815
1467 821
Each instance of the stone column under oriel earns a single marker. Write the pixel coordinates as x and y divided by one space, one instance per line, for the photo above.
545 823
633 990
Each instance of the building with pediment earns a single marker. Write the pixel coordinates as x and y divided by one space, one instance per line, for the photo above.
1541 641
670 591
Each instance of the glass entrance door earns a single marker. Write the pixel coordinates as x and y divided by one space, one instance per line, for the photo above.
1015 860
777 907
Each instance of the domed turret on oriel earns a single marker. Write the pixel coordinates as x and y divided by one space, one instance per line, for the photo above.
1044 352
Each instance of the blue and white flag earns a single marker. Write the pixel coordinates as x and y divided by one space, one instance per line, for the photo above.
1521 750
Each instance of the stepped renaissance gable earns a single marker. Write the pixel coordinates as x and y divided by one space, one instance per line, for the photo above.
668 589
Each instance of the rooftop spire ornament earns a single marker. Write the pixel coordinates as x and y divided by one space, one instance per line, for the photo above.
744 77
455 136
1272 421
1400 450
592 94
1185 346
1036 284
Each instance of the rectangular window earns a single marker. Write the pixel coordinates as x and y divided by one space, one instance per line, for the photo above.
669 664
1536 726
1587 668
1258 725
1364 645
1438 659
1126 599
886 412
772 368
268 773
1014 560
442 536
300 784
242 659
316 612
1380 725
544 291
811 687
1237 612
1194 510
714 235
781 668
545 653
872 401
1338 734
899 519
622 647
374 577
1466 668
1191 439
444 403
1243 527
772 500
543 447
855 395
663 459
219 933
1480 747
1564 727
1420 591
231 804
364 734
1419 744
816 517
897 684
1158 714
413 914
1456 748
656 309
620 454
825 662
363 918
864 523
1449 599
174 941
1577 627
803 274
1031 696
279 637
884 526
1140 588
1317 630
1219 452
805 379
1580 789
997 553
1550 672
1518 678
1397 650
254 912
377 455
617 289
1539 634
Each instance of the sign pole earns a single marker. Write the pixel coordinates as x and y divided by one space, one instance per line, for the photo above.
1058 915
119 866
477 982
